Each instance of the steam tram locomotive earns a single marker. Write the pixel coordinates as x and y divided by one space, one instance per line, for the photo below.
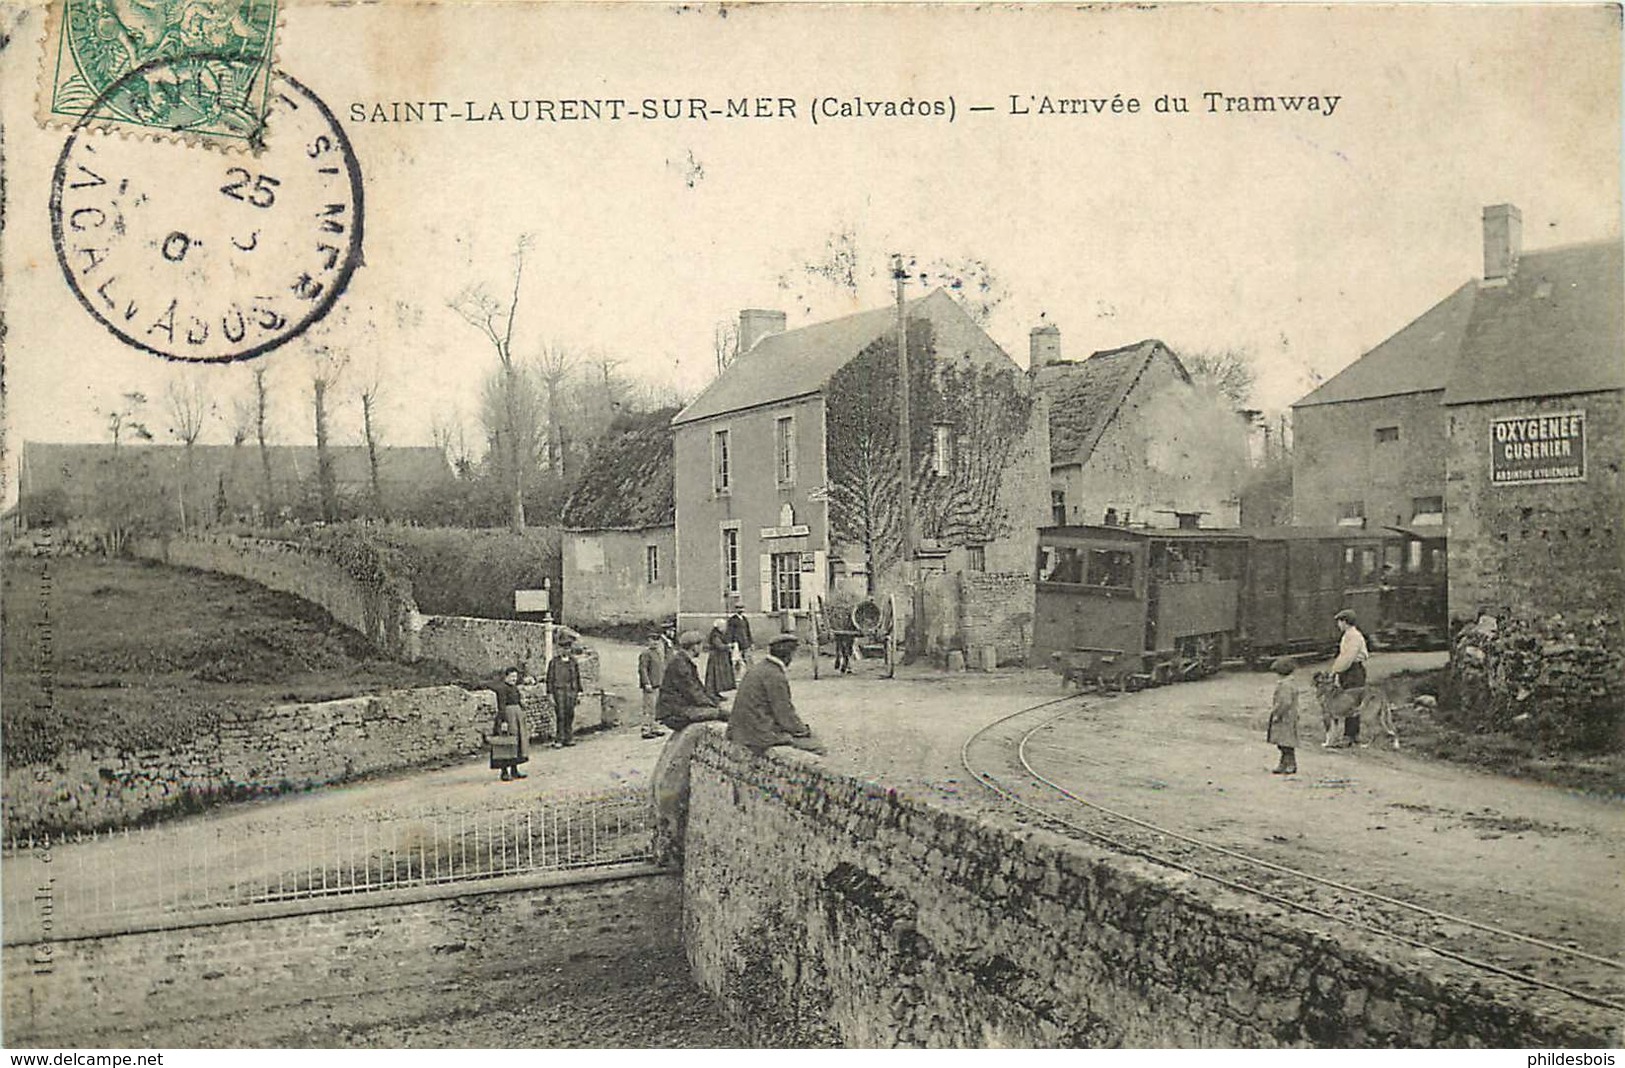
1140 606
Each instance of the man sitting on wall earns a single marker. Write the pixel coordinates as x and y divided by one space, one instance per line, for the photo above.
763 714
683 697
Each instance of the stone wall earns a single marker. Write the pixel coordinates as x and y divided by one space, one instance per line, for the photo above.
384 619
607 574
1543 548
487 647
286 747
254 959
996 608
823 910
1336 458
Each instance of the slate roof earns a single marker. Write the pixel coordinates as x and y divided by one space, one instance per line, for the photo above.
1418 359
1085 395
797 363
77 467
629 482
1555 328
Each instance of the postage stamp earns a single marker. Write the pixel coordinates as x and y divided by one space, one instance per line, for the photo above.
206 66
193 257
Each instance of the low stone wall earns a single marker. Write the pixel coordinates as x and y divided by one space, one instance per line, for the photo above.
384 619
86 992
822 910
487 647
996 609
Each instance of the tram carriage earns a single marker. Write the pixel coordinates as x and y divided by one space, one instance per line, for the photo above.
1140 606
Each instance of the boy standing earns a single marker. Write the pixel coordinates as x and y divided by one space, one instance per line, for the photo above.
1283 729
651 669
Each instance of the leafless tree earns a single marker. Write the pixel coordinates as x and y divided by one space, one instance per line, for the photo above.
486 314
369 390
450 434
262 434
725 344
553 367
327 365
190 408
1228 371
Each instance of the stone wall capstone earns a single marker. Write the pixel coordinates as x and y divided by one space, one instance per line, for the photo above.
823 910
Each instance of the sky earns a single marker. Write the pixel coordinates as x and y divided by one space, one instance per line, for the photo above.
1303 238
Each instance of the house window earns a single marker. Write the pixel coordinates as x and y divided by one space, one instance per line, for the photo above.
1057 507
651 563
722 472
785 437
1351 514
975 558
941 449
1386 434
730 559
1427 511
786 581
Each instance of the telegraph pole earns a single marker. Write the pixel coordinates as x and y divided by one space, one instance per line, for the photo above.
905 440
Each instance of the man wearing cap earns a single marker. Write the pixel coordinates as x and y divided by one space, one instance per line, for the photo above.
1349 667
563 686
763 714
683 698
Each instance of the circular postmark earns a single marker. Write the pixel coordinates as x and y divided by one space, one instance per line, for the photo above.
197 255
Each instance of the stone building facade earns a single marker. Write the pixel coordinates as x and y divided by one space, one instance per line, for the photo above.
1495 417
788 468
1134 440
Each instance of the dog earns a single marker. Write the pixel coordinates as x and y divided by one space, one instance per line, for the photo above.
1370 703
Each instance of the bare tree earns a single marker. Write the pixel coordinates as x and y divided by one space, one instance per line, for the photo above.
123 501
190 408
450 434
262 434
1228 371
327 366
553 366
126 418
486 314
725 344
369 390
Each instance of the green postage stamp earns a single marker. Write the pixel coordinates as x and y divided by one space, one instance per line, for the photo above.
199 69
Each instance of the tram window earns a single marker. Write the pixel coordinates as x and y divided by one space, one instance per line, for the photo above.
1414 563
1111 567
1060 563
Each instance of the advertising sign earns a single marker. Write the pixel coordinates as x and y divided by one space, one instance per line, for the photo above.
1549 447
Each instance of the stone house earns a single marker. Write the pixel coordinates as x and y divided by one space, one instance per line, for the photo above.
1133 440
1494 417
620 537
790 474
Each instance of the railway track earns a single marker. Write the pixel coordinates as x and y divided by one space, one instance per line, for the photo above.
1005 757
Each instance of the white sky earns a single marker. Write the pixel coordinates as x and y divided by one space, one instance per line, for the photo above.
1306 239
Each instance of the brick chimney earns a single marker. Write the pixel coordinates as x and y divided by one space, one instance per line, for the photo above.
1503 242
1046 346
757 323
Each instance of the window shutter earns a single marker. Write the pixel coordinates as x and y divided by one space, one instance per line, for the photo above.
766 561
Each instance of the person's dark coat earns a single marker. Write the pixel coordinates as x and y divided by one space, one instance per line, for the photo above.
739 631
763 714
719 664
510 719
1283 729
683 698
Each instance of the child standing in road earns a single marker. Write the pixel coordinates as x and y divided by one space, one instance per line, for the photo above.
651 668
1283 729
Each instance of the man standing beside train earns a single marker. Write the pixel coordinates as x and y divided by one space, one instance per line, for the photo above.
1349 667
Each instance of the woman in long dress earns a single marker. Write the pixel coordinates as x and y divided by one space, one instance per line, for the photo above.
509 723
719 665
